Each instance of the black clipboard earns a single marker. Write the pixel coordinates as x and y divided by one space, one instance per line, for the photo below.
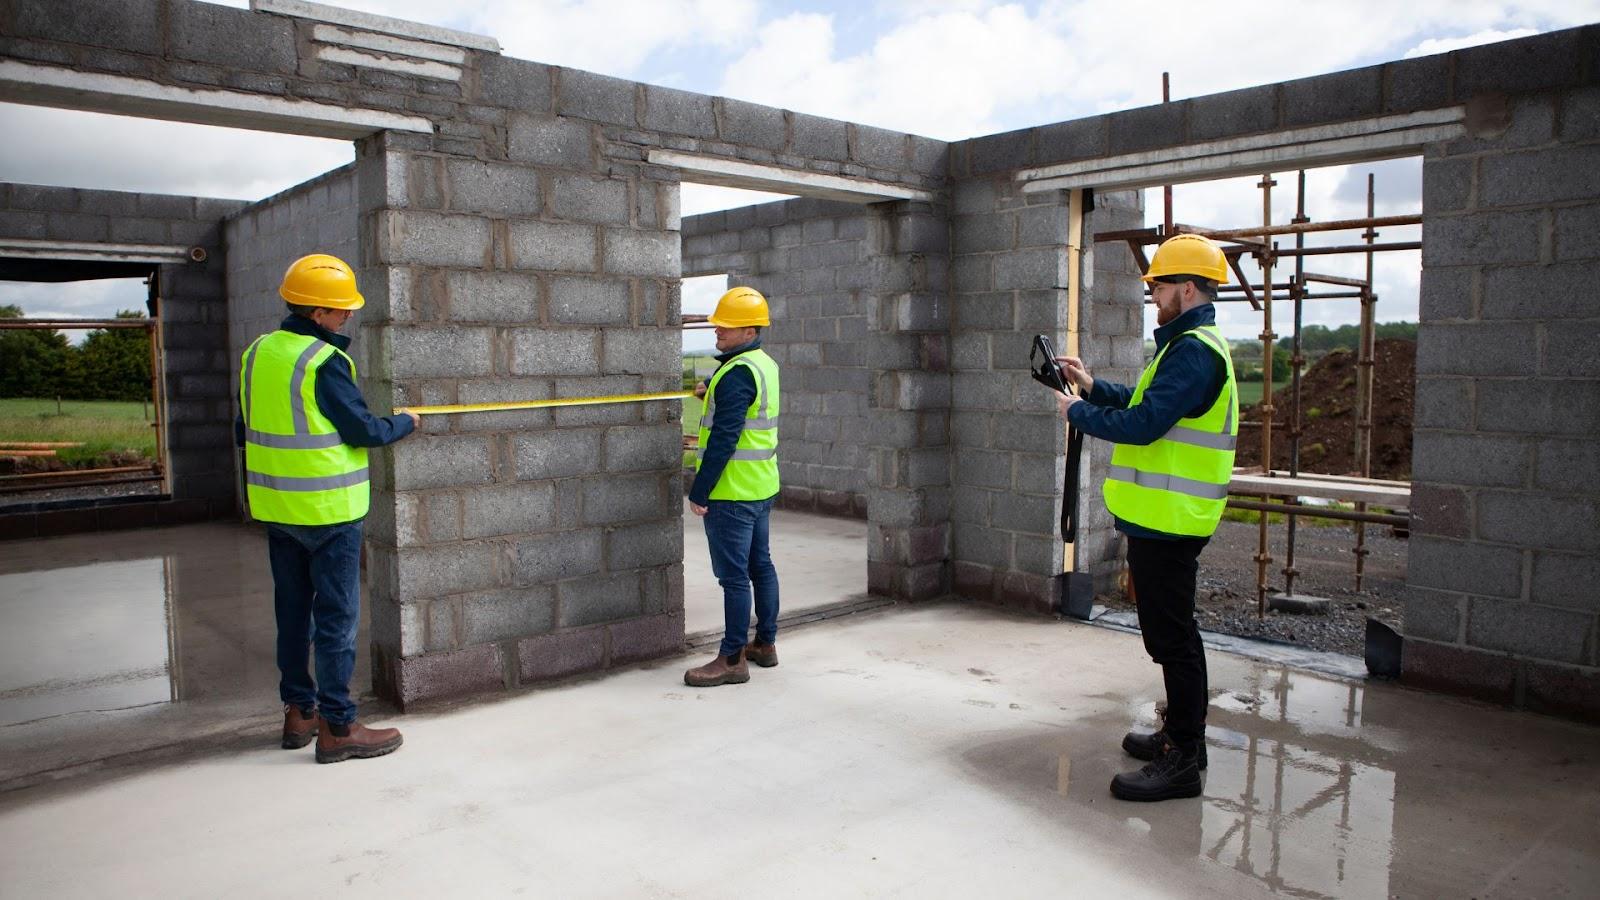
1045 370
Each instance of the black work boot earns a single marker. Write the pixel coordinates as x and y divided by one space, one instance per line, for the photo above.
1171 775
1146 746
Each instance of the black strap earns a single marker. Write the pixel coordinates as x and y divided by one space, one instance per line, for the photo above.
1069 496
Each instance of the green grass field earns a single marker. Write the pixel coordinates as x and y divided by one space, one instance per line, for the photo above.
1249 392
104 426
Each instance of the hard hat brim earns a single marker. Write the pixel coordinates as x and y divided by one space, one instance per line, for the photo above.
299 299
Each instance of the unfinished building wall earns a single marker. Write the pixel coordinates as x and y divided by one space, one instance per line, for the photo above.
193 316
813 260
1505 546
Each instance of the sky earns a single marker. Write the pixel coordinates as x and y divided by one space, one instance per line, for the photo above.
948 69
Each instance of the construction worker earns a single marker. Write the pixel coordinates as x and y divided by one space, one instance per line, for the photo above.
1174 433
735 483
305 429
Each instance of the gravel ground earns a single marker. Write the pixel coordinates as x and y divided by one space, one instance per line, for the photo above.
27 499
1226 592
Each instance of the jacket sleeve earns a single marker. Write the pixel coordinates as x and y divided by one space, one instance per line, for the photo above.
1184 383
341 401
1109 394
735 392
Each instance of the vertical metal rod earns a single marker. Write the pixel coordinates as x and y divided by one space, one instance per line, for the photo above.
154 331
1366 375
1296 361
1166 190
1263 558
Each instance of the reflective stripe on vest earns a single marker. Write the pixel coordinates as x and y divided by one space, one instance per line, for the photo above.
1179 483
752 470
298 470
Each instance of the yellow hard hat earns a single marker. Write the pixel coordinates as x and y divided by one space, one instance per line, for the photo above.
741 307
321 280
1189 254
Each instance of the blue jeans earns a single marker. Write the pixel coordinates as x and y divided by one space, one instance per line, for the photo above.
316 579
736 530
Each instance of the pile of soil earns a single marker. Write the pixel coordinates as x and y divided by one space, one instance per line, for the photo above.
1328 431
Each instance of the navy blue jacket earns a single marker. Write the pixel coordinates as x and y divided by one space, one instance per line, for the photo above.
735 392
1188 381
338 397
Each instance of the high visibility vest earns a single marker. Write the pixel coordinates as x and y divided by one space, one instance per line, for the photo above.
298 471
1179 483
752 473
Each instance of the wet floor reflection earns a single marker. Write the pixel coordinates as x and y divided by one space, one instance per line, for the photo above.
82 638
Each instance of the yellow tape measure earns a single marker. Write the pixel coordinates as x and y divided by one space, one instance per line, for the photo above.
542 404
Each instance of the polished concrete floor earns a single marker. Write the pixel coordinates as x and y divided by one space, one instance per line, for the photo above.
942 751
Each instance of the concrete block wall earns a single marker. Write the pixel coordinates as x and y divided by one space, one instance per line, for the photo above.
192 310
1505 547
814 260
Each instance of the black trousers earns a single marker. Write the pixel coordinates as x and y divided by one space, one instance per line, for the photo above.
1163 585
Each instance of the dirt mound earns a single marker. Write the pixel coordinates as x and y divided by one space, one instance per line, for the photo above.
1328 416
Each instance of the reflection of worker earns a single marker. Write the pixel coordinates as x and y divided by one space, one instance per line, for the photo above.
1175 433
305 429
736 480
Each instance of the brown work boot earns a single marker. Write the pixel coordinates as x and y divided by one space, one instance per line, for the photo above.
299 727
358 741
763 655
722 670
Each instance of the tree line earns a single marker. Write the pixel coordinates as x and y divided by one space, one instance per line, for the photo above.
110 364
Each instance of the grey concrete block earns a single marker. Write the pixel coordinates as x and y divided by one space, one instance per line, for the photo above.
1538 407
513 83
592 200
442 569
1471 459
596 97
556 557
1539 521
485 187
1433 615
590 601
978 544
1040 226
1415 84
552 246
752 125
228 37
930 157
1247 111
1566 466
819 138
124 24
1067 141
1448 293
1540 176
508 509
589 301
1443 403
641 351
501 297
410 237
975 196
878 147
1447 184
635 448
1334 97
1030 269
561 654
981 468
604 414
1465 567
1484 238
1536 292
438 461
1477 349
1521 66
1145 128
645 253
613 500
644 546
441 352
984 233
999 152
556 454
1528 630
551 141
1577 233
1566 580
678 112
1570 350
505 614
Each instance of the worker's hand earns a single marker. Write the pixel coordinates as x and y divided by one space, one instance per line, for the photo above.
700 390
1065 401
1077 373
416 420
697 509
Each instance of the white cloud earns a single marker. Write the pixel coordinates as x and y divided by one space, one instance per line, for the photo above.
694 199
1444 45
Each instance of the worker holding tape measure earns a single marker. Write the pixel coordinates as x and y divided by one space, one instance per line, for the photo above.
305 429
735 484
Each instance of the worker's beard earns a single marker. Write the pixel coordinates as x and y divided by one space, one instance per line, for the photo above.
1166 313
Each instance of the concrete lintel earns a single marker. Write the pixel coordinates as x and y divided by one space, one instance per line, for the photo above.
1384 145
26 248
417 67
777 179
383 43
1266 141
119 95
319 12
